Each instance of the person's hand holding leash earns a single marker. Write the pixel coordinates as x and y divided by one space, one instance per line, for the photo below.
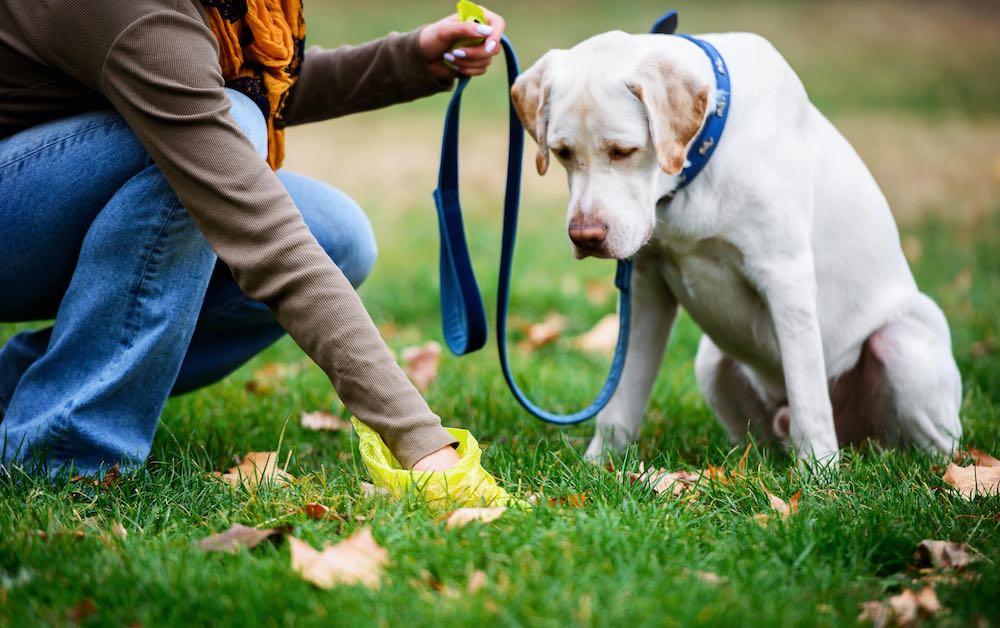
437 40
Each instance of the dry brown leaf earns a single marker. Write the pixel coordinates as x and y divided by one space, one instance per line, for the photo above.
741 466
782 507
576 500
983 459
944 555
902 610
320 512
238 536
599 291
112 477
662 481
118 530
601 338
82 610
540 334
272 376
359 559
324 421
421 363
477 581
258 467
465 516
973 480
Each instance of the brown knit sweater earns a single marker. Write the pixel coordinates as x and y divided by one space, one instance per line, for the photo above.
156 63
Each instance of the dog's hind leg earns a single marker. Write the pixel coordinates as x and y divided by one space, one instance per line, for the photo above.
912 369
654 309
737 403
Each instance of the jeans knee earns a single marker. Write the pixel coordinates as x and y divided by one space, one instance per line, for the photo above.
250 119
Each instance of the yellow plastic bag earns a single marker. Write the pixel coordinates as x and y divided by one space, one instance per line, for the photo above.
465 484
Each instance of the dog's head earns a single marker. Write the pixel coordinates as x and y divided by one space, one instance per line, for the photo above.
618 112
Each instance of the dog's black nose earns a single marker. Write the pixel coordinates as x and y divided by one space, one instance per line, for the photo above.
588 235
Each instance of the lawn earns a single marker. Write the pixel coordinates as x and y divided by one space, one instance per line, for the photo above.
907 88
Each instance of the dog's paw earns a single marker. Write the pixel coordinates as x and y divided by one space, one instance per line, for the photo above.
824 467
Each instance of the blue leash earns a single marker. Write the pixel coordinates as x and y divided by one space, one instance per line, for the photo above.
463 315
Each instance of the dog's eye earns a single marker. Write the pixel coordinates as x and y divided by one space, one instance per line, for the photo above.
617 153
563 153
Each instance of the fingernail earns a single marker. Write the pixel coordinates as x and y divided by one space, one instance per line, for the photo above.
484 29
449 57
490 45
459 53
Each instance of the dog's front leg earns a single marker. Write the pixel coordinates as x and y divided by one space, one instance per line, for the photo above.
653 311
789 287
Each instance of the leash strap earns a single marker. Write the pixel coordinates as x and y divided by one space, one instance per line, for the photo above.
462 312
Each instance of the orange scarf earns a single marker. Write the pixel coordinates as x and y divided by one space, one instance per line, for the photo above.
261 45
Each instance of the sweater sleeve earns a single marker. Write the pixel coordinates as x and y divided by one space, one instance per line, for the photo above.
162 75
349 79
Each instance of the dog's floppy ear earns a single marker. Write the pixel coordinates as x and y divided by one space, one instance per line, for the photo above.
530 95
675 106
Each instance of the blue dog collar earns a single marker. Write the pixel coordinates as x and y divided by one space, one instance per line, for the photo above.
711 133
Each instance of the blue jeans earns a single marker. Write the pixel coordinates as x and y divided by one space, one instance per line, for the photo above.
92 236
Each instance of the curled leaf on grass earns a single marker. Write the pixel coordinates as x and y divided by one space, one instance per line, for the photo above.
239 535
465 516
978 479
359 559
602 338
274 375
661 480
538 335
905 609
778 505
258 467
324 421
477 581
421 364
112 477
320 512
944 555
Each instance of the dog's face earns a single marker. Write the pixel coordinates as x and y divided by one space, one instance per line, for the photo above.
618 115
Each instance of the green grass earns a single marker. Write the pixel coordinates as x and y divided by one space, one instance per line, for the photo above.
627 556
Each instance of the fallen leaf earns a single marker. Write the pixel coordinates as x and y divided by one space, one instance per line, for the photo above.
258 467
782 507
741 466
903 609
421 363
540 334
112 477
359 559
465 516
118 530
577 500
320 512
477 580
973 480
238 536
983 459
599 291
273 375
662 481
944 555
324 421
82 610
602 338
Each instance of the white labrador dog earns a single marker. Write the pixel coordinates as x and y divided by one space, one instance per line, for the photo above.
783 249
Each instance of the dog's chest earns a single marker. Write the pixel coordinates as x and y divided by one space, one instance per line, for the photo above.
707 281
